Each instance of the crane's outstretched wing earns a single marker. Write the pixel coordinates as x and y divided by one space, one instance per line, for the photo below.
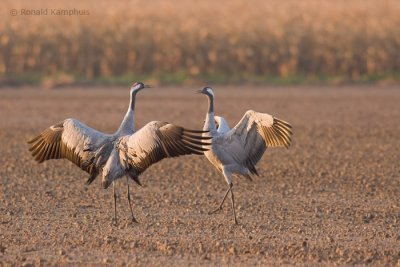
72 140
156 141
255 132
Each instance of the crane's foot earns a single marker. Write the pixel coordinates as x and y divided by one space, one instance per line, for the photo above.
129 201
235 221
222 202
134 221
215 211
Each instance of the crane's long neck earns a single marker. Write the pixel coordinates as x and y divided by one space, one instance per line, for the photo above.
209 124
128 123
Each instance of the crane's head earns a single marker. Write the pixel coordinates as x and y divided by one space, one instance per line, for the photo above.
137 86
207 91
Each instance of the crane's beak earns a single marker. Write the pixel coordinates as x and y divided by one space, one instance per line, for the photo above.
199 91
147 86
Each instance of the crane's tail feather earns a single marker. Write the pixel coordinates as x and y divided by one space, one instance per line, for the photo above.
136 179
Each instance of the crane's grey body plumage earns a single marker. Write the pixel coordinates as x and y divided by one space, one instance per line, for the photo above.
237 150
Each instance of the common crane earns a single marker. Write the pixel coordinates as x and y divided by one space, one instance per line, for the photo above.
88 148
237 150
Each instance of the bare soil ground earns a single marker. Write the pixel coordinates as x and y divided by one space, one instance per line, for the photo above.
331 199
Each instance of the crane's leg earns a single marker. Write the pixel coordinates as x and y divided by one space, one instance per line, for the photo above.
115 204
233 203
222 202
227 172
129 201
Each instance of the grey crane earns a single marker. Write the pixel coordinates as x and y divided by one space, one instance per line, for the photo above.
87 148
237 150
122 153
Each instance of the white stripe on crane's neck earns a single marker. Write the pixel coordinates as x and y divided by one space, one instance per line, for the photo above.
209 124
134 91
210 91
128 123
210 96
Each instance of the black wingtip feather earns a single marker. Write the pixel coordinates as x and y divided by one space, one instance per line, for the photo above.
198 137
91 178
195 131
136 179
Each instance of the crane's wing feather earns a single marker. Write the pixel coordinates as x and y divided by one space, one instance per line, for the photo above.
72 140
158 140
255 132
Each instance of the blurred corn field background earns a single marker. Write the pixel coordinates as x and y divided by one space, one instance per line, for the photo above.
225 41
